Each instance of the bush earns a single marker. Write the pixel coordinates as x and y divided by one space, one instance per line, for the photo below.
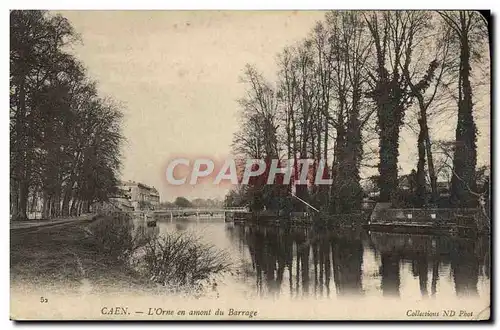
179 260
116 236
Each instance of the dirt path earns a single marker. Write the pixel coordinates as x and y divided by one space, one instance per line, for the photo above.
18 225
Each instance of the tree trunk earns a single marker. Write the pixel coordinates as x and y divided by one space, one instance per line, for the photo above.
14 198
389 143
353 156
79 207
55 205
73 209
420 191
33 204
20 155
464 161
337 174
87 206
430 164
46 206
23 200
65 210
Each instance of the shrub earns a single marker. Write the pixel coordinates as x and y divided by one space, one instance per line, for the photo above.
179 260
116 236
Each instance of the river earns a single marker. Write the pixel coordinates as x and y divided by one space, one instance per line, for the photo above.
301 263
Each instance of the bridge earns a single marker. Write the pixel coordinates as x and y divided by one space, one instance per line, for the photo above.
179 212
204 210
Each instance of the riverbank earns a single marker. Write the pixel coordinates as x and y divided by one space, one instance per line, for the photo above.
66 258
334 267
36 223
434 221
112 253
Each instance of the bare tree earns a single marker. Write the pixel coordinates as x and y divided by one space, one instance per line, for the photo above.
349 44
394 36
426 87
258 137
469 31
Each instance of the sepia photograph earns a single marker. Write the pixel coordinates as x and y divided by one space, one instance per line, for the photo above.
244 165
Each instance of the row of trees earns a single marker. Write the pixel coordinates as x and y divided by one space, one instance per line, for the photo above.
360 77
196 203
64 138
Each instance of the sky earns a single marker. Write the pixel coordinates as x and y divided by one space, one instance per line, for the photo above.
176 73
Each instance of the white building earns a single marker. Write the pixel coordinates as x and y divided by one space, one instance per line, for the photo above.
140 195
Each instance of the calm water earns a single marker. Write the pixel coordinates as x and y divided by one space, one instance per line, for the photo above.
273 262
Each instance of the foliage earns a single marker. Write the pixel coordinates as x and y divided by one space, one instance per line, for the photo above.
351 66
395 35
116 236
469 31
180 260
65 138
57 258
206 203
236 197
145 205
167 205
182 202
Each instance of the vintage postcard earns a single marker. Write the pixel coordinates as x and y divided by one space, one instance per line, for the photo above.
250 165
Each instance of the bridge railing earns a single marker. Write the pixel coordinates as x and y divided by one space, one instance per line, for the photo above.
199 210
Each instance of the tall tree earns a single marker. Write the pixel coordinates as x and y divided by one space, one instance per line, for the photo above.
65 139
426 84
36 40
469 29
350 43
258 138
394 35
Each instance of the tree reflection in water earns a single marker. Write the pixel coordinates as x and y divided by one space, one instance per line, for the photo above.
347 251
306 256
307 260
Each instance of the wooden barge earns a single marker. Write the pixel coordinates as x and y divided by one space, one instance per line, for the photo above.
462 222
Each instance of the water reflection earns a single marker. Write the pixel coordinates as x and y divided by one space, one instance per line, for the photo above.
310 261
318 263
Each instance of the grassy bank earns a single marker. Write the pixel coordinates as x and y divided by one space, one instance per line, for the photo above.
109 254
66 256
